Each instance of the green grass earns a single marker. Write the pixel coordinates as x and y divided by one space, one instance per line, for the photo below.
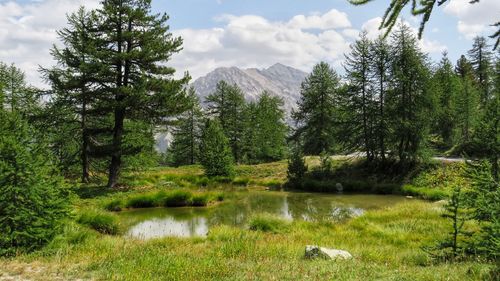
268 223
386 243
100 221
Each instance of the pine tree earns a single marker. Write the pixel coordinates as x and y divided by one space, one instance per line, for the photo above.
18 96
467 100
227 104
360 104
33 200
446 84
316 114
380 68
296 167
73 106
187 133
215 153
135 46
481 58
410 104
488 133
271 129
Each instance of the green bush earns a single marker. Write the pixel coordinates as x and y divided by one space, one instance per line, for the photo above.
178 199
100 221
268 223
215 153
33 199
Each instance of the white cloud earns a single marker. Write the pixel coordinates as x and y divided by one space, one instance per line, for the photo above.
28 30
253 41
332 19
474 19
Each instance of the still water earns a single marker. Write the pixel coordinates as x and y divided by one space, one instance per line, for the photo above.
196 222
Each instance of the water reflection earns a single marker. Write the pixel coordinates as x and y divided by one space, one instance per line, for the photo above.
191 222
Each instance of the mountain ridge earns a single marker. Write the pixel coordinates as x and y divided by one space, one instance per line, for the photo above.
279 80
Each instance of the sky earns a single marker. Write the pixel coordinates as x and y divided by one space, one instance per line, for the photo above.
247 33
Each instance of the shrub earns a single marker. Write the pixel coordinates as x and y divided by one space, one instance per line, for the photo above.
101 222
178 199
268 223
33 198
215 153
296 168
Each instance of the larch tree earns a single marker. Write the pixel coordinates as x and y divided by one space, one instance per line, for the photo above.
446 85
187 133
271 129
380 69
410 105
360 107
467 102
227 104
215 152
316 114
480 57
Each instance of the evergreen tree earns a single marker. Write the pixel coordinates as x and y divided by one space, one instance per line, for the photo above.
33 200
296 167
446 85
187 133
135 46
227 104
481 58
18 96
467 100
488 133
215 153
74 107
380 68
360 106
410 104
270 127
316 114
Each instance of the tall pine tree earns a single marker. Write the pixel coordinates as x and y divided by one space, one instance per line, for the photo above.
187 133
481 59
360 107
446 86
409 97
467 102
316 113
227 104
135 46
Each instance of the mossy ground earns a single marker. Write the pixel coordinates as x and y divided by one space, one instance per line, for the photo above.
386 243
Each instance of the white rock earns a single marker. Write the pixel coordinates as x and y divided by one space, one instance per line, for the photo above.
316 252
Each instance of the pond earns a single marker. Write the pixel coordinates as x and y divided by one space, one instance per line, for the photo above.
196 222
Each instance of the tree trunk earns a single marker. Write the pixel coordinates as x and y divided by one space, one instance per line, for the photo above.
116 159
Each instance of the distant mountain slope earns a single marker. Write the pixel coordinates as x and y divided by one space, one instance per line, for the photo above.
280 80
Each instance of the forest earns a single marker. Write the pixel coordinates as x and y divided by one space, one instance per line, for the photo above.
394 158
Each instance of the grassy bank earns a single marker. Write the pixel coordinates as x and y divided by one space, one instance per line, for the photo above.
386 243
431 181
